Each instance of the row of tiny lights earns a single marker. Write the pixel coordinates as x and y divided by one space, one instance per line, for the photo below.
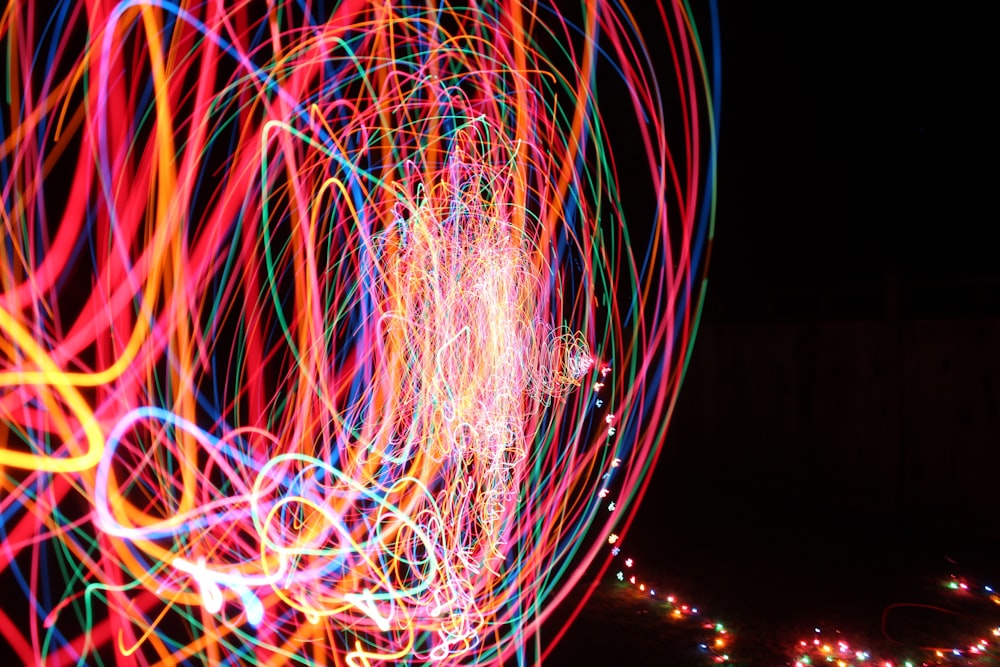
842 656
678 611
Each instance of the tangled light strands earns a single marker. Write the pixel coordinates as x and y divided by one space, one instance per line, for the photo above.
324 334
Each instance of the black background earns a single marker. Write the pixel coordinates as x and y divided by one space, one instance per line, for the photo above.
835 445
857 176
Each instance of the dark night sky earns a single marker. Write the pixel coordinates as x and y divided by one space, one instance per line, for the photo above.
858 151
857 139
837 436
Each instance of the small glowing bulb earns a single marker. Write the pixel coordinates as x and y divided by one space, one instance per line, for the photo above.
628 562
612 538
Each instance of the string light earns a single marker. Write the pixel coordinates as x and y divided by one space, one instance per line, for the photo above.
979 653
838 651
674 610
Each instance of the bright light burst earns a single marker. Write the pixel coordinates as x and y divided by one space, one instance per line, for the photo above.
324 330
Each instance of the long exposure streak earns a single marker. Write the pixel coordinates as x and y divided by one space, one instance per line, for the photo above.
328 330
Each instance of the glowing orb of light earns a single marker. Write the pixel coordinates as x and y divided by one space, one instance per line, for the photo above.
327 328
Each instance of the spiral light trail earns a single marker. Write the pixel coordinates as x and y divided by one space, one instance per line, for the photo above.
326 329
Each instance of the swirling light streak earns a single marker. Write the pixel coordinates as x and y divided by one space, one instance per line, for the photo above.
322 334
